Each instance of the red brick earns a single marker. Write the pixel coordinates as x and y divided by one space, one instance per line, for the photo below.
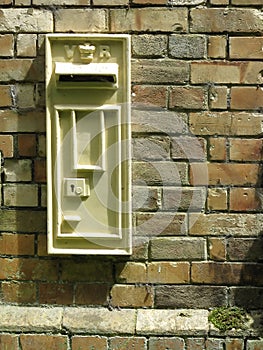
246 98
149 95
43 342
27 145
224 174
89 343
17 244
40 170
50 293
6 145
9 342
234 344
246 149
166 343
42 245
19 292
125 343
91 294
244 199
5 96
150 2
188 97
226 273
28 269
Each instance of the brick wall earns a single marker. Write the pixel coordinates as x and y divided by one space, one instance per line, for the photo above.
197 102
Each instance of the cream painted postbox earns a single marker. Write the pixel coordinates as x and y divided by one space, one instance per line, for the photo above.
88 144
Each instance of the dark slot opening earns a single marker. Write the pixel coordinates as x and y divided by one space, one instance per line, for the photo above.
87 78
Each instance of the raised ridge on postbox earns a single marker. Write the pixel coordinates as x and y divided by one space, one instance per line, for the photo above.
92 75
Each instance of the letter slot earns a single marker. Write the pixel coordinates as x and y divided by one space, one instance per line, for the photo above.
88 144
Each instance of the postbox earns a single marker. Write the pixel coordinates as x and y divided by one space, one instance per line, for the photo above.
88 144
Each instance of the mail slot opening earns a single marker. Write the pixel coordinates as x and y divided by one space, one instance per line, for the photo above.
78 78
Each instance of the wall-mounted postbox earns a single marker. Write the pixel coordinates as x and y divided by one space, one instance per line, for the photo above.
88 144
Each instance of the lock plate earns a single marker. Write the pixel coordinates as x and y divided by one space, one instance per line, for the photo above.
76 187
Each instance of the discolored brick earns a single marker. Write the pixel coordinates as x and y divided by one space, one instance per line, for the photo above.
89 342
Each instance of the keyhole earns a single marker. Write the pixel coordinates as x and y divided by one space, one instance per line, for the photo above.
72 187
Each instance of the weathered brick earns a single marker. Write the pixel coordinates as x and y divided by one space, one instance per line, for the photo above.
92 294
220 20
89 20
246 47
6 145
226 72
217 248
22 70
254 344
246 297
88 271
27 146
217 148
28 269
190 296
189 148
217 46
244 199
160 224
218 97
5 2
131 296
145 199
160 173
218 273
246 98
186 97
43 342
62 2
166 343
225 123
151 148
225 224
25 96
24 20
186 199
11 121
214 344
41 146
219 2
9 342
217 199
154 120
224 174
195 343
26 45
18 170
5 96
147 45
22 2
131 272
23 221
149 2
21 195
246 2
246 149
245 249
125 343
89 342
148 95
43 196
19 292
40 170
50 293
174 248
17 244
6 45
234 344
42 245
187 46
160 71
112 3
149 20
